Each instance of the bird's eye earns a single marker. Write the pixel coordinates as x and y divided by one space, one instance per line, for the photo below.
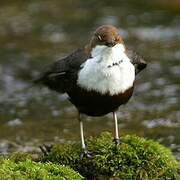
116 39
99 38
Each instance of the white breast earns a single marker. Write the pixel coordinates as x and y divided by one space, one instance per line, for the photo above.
98 73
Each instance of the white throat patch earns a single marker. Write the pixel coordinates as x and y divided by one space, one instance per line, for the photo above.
108 71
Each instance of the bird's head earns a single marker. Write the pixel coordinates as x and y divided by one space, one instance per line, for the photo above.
106 35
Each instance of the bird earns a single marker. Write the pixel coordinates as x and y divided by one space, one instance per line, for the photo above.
97 78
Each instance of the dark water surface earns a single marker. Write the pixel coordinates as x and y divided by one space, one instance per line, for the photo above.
38 32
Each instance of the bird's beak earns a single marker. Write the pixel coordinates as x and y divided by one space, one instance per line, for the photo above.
110 44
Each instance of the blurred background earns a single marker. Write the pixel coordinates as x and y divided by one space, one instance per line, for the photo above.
35 33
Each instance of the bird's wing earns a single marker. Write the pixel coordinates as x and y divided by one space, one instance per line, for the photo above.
136 60
55 77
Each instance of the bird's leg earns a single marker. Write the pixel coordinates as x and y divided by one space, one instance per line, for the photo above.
83 146
84 151
116 133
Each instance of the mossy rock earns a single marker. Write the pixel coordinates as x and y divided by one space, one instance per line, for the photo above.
35 171
134 158
19 157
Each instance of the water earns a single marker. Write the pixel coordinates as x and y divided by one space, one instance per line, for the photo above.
33 34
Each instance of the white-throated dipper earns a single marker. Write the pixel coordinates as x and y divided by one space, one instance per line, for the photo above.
97 78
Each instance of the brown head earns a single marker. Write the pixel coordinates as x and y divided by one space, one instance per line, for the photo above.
106 35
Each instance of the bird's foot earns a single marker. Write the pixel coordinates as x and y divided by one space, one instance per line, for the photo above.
46 149
86 153
116 141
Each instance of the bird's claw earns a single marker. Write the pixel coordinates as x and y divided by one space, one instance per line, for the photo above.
116 141
86 153
46 149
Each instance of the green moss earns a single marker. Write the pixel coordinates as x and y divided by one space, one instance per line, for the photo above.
19 157
35 171
134 158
